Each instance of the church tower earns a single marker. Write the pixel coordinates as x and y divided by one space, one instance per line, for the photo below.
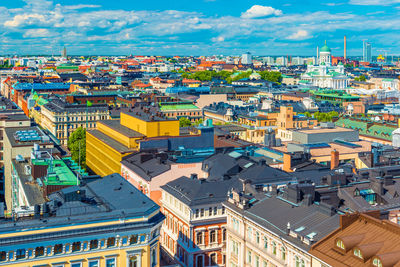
325 55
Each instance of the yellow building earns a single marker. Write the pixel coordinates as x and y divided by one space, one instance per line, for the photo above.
115 139
107 222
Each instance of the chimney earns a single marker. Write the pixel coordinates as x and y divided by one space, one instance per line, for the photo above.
287 162
334 159
193 176
345 48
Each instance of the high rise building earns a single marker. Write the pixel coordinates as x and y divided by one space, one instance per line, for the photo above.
247 59
367 51
64 52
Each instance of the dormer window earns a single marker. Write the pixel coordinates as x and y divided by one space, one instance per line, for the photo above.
377 262
357 253
340 244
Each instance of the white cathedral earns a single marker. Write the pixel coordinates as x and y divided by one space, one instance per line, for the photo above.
324 75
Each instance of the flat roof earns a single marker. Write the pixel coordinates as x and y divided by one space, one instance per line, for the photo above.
116 125
60 173
325 130
110 141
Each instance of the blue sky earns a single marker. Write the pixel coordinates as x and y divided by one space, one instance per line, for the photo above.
200 27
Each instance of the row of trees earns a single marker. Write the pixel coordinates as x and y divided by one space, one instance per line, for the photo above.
208 75
322 116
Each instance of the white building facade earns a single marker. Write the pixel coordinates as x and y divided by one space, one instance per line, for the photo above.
324 75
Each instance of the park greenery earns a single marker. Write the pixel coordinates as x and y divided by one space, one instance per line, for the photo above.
229 77
361 78
322 116
76 142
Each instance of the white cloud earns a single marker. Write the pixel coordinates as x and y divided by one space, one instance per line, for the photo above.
37 33
374 2
80 6
18 20
258 11
218 39
299 35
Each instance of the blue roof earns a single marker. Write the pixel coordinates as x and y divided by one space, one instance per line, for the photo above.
41 86
175 90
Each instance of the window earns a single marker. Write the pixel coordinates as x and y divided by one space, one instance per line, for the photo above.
235 248
94 244
94 263
21 253
357 253
48 250
274 248
85 246
102 242
340 244
265 243
223 234
201 212
39 251
197 213
154 257
213 259
258 237
133 239
11 255
76 246
110 242
377 262
257 261
215 210
223 210
210 210
213 237
110 262
3 256
249 233
77 264
283 253
297 261
249 257
199 238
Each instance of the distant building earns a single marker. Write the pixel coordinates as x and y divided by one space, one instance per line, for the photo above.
247 59
107 222
367 52
64 52
62 118
325 75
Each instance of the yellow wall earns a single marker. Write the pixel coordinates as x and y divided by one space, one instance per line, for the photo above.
151 129
119 253
125 140
101 158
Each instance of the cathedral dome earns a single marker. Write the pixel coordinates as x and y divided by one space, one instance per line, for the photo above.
325 48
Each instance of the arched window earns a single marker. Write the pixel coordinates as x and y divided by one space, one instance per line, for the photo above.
213 259
3 256
94 244
110 242
283 253
199 261
133 239
265 243
76 246
273 248
258 237
58 249
297 261
39 251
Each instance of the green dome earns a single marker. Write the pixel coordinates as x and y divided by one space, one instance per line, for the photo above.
325 48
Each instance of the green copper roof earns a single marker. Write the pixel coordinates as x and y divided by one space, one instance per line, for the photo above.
325 48
58 173
178 107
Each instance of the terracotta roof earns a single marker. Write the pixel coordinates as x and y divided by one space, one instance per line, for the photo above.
375 238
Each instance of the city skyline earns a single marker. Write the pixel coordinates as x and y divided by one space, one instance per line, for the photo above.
206 28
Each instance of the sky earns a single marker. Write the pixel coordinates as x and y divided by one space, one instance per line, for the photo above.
198 27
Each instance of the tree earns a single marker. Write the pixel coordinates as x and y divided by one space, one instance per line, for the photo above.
77 146
272 76
361 78
184 122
